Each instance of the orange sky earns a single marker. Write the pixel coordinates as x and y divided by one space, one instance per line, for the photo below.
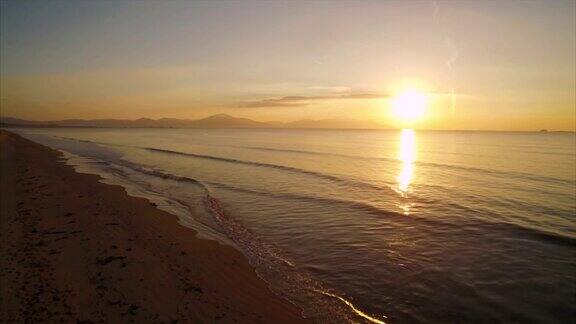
510 64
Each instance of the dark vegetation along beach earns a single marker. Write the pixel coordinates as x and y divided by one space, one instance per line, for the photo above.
76 250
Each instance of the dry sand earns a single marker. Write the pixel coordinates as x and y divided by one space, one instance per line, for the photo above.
76 250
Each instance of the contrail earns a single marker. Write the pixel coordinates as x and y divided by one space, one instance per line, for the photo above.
450 63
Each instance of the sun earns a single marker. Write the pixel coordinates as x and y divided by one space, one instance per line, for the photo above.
409 106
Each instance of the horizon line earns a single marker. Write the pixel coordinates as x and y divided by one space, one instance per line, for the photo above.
383 128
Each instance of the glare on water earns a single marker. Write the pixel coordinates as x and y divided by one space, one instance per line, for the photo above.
406 155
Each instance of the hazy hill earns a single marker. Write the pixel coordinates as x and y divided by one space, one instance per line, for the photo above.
214 121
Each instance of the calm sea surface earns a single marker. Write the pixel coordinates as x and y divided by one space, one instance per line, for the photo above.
381 226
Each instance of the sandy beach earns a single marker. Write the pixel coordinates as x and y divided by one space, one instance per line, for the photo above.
76 250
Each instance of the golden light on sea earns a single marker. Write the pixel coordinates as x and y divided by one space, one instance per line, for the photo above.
407 157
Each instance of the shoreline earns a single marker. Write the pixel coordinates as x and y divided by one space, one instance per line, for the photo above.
76 249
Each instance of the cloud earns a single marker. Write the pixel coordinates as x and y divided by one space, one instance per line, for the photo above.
299 101
279 102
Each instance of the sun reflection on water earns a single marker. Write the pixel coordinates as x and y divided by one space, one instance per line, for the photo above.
406 155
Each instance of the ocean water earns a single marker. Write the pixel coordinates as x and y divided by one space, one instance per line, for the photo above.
395 226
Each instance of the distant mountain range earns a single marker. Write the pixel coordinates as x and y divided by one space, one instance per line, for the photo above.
214 121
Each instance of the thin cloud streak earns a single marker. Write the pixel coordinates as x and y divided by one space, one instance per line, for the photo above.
299 101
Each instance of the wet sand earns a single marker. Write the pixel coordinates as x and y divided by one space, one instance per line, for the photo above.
76 250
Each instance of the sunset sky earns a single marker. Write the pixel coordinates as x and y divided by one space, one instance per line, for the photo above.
510 64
